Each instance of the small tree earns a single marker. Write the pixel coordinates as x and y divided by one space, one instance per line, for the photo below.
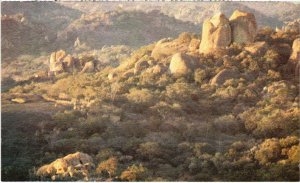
133 173
109 166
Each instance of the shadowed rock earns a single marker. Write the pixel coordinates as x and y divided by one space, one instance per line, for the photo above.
243 27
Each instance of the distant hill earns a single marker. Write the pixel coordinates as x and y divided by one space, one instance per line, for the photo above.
19 35
133 28
31 27
267 13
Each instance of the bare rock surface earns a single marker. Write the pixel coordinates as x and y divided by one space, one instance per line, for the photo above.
243 27
216 34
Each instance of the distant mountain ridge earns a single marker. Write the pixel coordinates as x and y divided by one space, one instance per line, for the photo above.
267 13
133 28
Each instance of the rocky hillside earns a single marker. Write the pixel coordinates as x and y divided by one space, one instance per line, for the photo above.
222 106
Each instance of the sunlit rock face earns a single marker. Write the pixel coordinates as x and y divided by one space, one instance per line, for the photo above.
77 164
296 50
216 34
181 64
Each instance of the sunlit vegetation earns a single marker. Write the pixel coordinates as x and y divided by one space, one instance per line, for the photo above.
153 126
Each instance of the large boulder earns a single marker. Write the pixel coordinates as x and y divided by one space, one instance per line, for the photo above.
243 27
224 75
296 50
216 34
56 61
181 64
293 65
77 164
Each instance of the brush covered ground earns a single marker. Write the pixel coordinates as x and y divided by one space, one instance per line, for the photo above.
139 122
167 127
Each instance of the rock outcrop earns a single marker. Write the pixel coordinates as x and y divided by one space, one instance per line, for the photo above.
181 64
224 75
167 47
216 34
61 62
296 50
56 62
293 65
72 165
243 27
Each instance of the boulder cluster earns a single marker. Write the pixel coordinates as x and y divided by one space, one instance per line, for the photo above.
219 32
72 165
180 56
61 62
